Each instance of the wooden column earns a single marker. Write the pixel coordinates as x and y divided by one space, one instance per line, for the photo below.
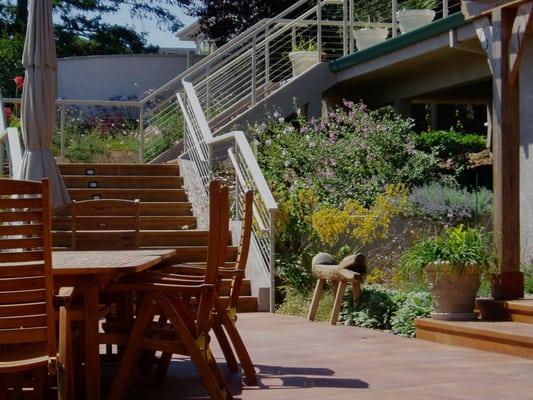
509 284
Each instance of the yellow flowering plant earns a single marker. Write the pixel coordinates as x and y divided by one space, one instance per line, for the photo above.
356 225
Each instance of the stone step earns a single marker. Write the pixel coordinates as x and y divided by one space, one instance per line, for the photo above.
506 310
145 195
507 337
123 182
120 169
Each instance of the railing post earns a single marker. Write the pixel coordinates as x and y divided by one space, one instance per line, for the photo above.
254 70
141 134
345 27
267 56
237 187
62 133
272 239
394 19
319 29
351 27
445 8
293 38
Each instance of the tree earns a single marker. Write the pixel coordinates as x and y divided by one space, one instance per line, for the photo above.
81 30
223 19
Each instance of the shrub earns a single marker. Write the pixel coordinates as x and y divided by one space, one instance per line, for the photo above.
416 305
353 154
374 310
449 205
449 143
528 276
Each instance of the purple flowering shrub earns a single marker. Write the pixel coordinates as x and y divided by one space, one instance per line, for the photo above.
353 154
450 204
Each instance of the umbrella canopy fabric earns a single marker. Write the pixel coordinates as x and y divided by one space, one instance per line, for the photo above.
38 110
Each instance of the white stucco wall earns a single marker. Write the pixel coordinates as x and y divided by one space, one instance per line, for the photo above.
526 152
109 77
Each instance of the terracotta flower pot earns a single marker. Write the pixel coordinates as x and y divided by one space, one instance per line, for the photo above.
454 295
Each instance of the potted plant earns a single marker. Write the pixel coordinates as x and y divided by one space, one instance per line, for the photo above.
303 56
415 14
373 32
453 263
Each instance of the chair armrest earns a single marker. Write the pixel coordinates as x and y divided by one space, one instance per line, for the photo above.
63 298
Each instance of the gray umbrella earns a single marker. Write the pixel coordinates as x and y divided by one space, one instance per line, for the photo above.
38 110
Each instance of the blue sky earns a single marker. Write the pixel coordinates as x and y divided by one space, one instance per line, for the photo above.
155 36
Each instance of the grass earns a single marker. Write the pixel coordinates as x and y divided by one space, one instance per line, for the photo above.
298 304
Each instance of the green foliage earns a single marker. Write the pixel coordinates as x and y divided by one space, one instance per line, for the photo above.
449 204
374 310
94 145
10 63
297 304
418 4
416 305
528 277
450 143
459 246
353 154
372 10
166 137
305 45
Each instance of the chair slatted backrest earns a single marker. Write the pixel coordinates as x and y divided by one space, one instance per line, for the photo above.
105 225
26 282
244 247
246 231
216 249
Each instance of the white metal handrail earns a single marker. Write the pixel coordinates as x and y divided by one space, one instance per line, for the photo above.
199 143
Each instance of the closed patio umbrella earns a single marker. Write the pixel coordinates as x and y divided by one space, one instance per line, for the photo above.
38 110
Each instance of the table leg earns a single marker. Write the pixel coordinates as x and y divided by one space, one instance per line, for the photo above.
92 348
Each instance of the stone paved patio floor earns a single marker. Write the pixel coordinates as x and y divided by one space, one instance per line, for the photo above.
297 359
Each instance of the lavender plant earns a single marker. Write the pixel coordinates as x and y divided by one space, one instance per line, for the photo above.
450 204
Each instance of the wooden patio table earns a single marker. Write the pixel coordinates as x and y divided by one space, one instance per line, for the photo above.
89 272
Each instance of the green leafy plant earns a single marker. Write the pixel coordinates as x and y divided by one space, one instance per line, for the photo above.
528 277
418 4
450 143
305 45
375 309
368 11
459 247
416 305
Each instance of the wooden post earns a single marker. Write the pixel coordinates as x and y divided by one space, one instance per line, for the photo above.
509 284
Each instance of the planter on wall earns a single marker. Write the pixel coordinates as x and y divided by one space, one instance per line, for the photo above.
409 20
302 61
454 295
368 37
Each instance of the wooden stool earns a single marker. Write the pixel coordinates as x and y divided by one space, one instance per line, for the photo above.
350 271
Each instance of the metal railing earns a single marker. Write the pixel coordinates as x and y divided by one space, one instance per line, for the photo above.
234 77
207 152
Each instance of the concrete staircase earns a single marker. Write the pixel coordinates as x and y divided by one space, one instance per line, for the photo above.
504 327
167 218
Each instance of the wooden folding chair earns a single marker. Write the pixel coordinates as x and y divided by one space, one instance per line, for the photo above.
226 317
27 310
93 228
169 297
